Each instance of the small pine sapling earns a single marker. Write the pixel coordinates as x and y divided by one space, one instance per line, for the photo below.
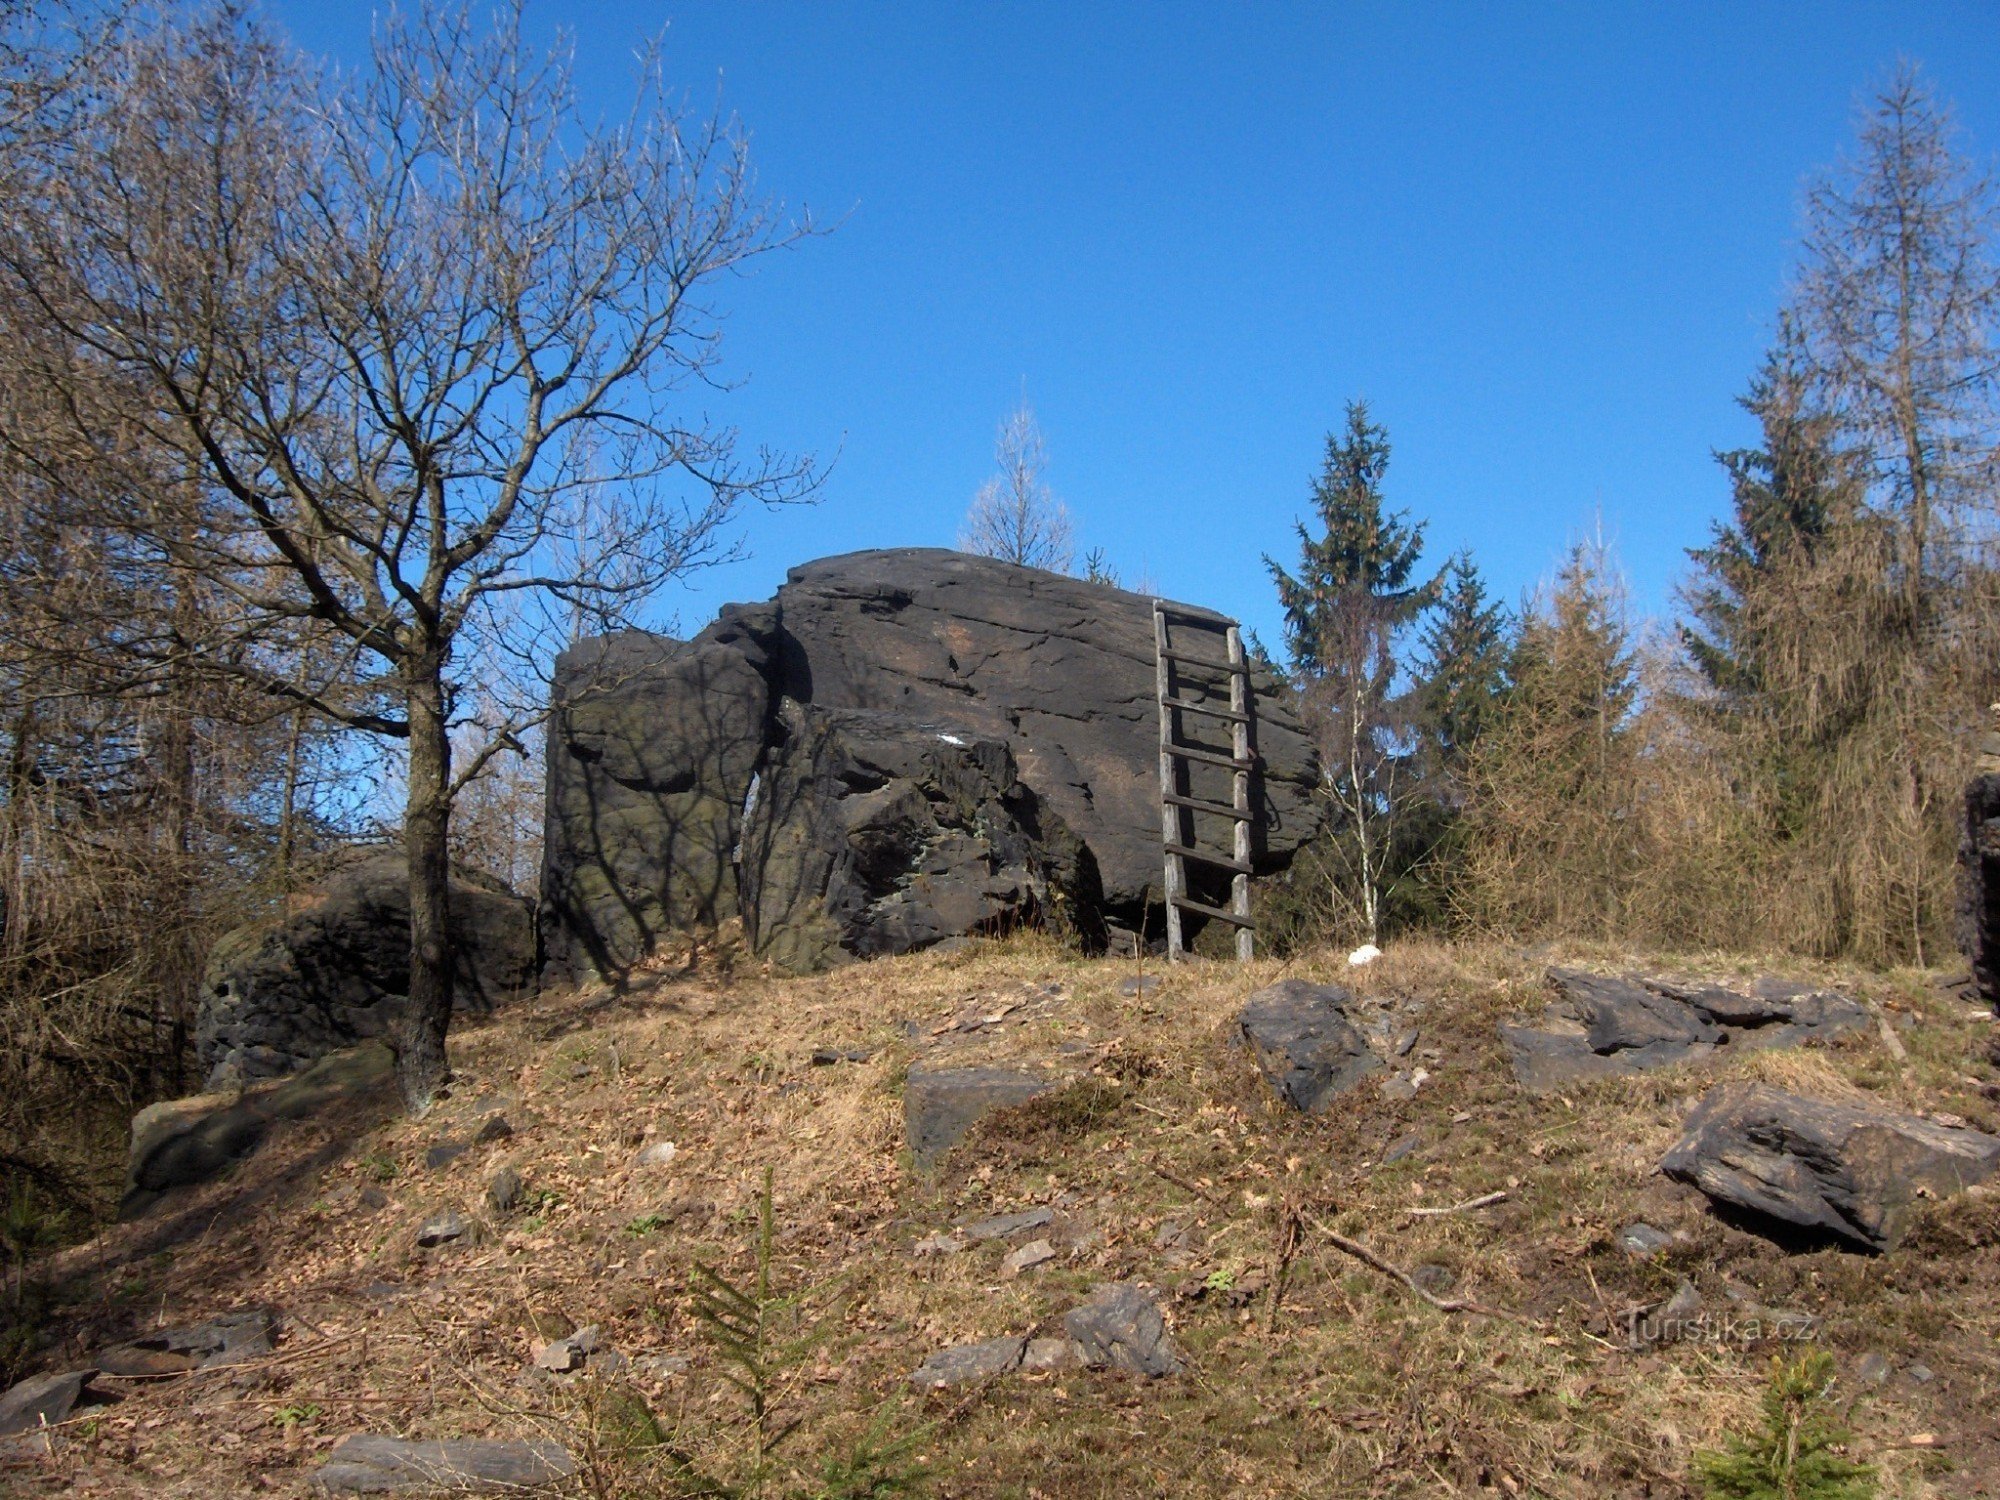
1792 1455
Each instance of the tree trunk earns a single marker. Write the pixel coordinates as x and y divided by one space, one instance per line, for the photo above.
421 1069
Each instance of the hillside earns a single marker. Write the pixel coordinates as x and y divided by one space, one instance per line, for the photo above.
1165 1161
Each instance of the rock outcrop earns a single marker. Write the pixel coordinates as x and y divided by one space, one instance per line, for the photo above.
901 747
1838 1168
1304 1045
1601 1026
1979 883
281 993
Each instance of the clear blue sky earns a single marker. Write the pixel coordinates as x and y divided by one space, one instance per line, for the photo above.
1544 241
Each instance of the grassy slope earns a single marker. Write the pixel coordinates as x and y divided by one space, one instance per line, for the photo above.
1168 1162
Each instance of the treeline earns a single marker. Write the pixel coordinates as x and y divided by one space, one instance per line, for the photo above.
1780 769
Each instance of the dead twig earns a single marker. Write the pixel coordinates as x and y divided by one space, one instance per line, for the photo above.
1183 1184
1443 1304
1485 1201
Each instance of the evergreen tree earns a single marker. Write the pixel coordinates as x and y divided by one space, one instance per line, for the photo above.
1352 596
1788 497
1462 670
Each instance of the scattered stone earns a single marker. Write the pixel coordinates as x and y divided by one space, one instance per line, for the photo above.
1921 1374
963 1362
1677 1318
1434 1278
363 1464
1037 1253
1366 954
1402 1043
1005 1226
1643 1240
1401 1148
445 1153
503 1191
234 1338
563 1355
1601 1026
1853 1171
1121 1327
941 1104
1872 1368
443 1228
42 1400
1303 1043
1399 1088
658 1154
661 1366
1139 986
495 1128
944 1242
1173 1235
826 1057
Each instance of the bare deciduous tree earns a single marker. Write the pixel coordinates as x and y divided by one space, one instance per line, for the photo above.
1015 516
424 339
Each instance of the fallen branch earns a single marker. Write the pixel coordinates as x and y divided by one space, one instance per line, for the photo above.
1183 1184
1443 1304
1486 1201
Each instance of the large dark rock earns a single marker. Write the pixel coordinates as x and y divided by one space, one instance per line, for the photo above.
922 743
941 1104
1121 1328
280 993
1979 883
41 1400
1839 1168
1303 1043
876 833
1599 1026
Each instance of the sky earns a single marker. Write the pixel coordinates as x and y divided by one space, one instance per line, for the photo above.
1546 243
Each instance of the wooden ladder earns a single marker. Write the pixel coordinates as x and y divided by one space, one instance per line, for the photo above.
1177 808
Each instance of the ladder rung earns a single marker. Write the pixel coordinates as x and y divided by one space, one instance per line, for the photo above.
1209 757
1206 708
1193 616
1221 861
1186 904
1207 663
1221 809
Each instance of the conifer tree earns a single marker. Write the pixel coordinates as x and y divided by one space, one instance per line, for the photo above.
1462 670
1354 593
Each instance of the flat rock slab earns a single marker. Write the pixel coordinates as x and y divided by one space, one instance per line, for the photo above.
367 1465
992 1357
1844 1169
1004 1226
1121 1328
1304 1045
234 1338
941 1104
41 1399
1605 1026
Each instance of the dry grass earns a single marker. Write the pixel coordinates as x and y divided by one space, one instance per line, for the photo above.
1166 1161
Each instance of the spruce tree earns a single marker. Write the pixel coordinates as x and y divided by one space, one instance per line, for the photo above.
1354 593
1462 670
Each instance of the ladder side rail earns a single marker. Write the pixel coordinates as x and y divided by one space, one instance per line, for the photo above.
1239 729
1170 818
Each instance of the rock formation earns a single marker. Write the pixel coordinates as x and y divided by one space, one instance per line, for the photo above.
900 747
282 992
1979 869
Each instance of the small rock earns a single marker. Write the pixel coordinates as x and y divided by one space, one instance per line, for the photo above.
826 1057
941 1104
1139 986
1404 1041
495 1128
1643 1240
1872 1368
1675 1319
41 1399
1398 1088
444 1154
1040 1252
1401 1148
443 1228
963 1362
363 1464
1172 1235
661 1366
372 1199
1434 1278
1366 954
1121 1327
657 1155
1921 1374
941 1243
503 1191
566 1354
1002 1226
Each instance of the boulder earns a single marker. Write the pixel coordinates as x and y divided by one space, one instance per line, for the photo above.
234 1338
1300 1036
281 993
363 1464
1979 876
963 1362
1844 1169
1121 1328
41 1400
181 1143
1602 1026
900 748
941 1104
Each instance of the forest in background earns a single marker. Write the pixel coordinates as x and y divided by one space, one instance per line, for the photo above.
238 448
